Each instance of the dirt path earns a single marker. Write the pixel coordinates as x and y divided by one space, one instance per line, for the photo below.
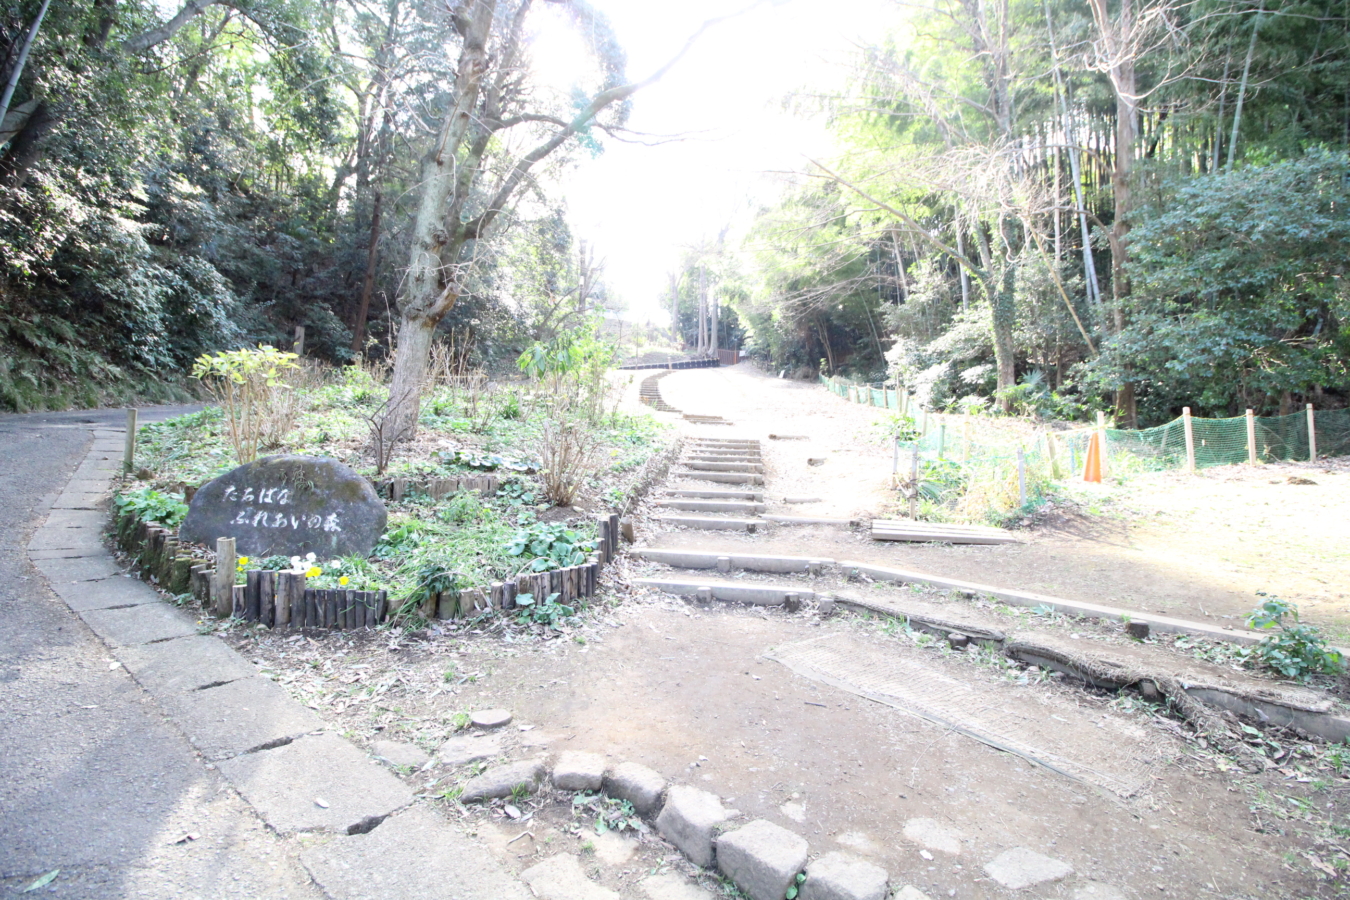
1192 546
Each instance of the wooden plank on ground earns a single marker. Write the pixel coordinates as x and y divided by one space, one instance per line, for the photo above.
893 530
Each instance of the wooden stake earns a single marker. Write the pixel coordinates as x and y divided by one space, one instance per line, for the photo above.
914 484
1312 435
1251 438
223 591
1190 439
299 347
129 453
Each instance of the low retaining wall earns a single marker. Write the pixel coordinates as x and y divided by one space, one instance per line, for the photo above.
281 599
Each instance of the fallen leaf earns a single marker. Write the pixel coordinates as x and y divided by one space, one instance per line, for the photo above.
512 811
43 881
320 802
190 836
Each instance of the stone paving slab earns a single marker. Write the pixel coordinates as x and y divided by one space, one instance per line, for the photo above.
49 538
77 518
410 856
105 593
80 500
185 664
124 627
98 487
318 783
88 551
68 571
241 716
1020 868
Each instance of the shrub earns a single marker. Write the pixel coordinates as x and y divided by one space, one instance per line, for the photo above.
248 385
153 506
1296 650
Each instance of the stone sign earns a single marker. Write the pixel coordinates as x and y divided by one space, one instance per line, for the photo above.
288 506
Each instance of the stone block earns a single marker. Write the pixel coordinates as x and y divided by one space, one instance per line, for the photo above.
239 717
411 856
501 781
317 783
670 886
932 835
637 784
185 664
139 624
689 820
1020 868
562 878
490 718
761 858
578 771
399 754
838 876
909 892
467 748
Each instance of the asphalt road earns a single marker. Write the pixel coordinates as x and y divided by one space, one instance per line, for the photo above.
93 780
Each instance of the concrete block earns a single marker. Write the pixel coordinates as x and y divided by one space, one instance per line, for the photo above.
412 855
670 886
562 878
838 876
638 785
317 783
239 717
94 519
117 590
185 664
139 624
689 820
67 571
90 549
761 859
467 748
933 835
578 771
80 500
1020 868
501 781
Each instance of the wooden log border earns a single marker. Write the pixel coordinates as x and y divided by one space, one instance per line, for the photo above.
281 600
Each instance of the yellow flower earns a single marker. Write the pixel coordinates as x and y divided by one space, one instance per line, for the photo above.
243 560
312 571
343 580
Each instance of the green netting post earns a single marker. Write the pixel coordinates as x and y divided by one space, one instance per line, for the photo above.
1251 438
1312 435
923 421
942 438
1021 478
1190 439
1101 438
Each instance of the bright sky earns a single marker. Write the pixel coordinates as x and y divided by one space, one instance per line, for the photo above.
639 205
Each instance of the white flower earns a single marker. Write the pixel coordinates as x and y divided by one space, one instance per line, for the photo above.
295 561
309 556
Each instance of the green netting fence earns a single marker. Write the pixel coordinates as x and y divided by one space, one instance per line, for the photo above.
1004 464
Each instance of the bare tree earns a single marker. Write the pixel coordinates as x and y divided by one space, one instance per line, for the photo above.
466 184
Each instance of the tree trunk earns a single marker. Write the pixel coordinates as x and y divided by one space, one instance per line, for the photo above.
415 336
368 283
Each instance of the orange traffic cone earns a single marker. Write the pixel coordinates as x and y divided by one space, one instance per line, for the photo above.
1092 469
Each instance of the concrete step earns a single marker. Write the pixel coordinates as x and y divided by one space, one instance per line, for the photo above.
707 523
726 560
715 493
908 530
721 477
723 467
735 592
813 520
723 506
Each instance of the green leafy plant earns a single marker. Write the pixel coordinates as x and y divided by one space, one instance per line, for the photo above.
549 612
247 384
550 546
795 888
152 505
1296 650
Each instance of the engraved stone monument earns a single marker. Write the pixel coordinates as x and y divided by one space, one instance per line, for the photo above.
288 506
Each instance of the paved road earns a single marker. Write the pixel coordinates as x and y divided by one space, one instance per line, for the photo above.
93 780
